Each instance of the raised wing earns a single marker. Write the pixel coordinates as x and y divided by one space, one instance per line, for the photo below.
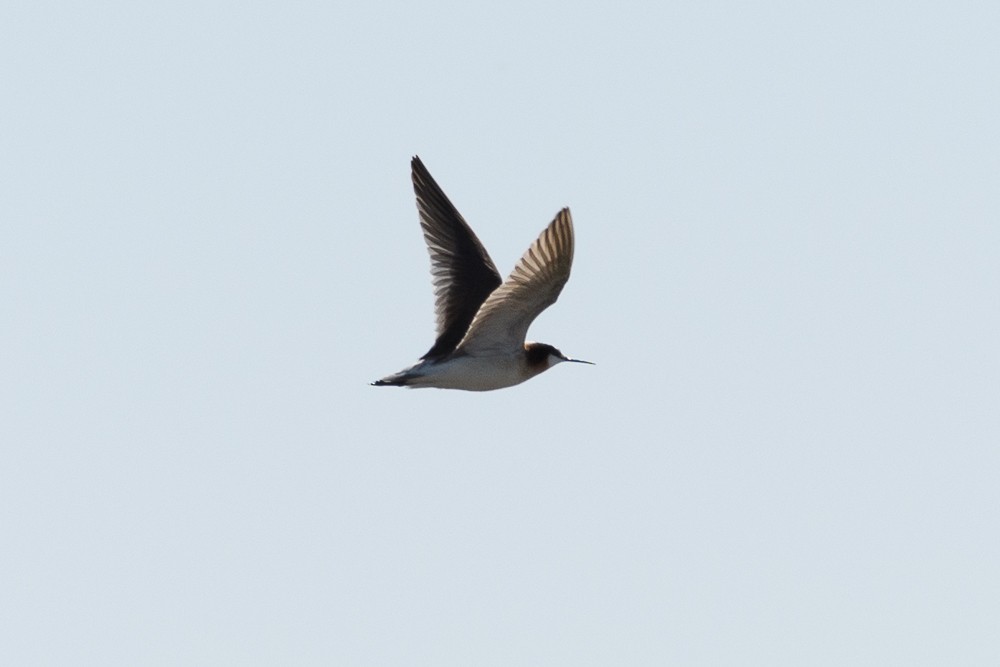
462 271
535 283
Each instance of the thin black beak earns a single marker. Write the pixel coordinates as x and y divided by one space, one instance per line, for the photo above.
580 361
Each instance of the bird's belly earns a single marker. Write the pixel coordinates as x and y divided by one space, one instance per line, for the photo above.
472 373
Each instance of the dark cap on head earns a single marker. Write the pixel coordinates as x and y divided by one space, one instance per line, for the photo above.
538 353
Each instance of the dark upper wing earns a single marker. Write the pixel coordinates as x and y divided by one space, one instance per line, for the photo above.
462 271
535 283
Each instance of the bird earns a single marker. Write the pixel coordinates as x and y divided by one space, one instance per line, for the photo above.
482 321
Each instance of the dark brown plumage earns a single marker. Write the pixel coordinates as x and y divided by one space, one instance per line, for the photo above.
462 271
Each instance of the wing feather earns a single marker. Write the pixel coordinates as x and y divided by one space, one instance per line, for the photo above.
462 272
535 283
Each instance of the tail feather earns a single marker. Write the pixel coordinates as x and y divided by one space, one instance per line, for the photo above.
388 383
395 380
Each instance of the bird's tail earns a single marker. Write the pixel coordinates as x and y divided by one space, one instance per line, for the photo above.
401 379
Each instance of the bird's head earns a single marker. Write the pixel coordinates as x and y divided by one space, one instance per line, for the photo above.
542 356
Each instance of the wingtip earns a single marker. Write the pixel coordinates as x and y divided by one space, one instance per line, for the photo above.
563 216
419 172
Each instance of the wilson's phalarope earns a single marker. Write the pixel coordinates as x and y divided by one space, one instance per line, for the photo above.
482 320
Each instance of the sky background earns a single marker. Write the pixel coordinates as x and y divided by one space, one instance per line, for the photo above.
787 270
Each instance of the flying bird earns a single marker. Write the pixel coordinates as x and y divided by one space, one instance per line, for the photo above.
482 320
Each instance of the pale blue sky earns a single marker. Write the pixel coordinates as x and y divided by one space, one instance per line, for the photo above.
787 270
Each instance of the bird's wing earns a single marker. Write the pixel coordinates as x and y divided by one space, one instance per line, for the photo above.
535 283
462 271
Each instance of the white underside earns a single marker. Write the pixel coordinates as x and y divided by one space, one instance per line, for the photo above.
470 373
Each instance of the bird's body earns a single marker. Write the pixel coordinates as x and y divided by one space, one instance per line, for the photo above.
463 371
481 320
